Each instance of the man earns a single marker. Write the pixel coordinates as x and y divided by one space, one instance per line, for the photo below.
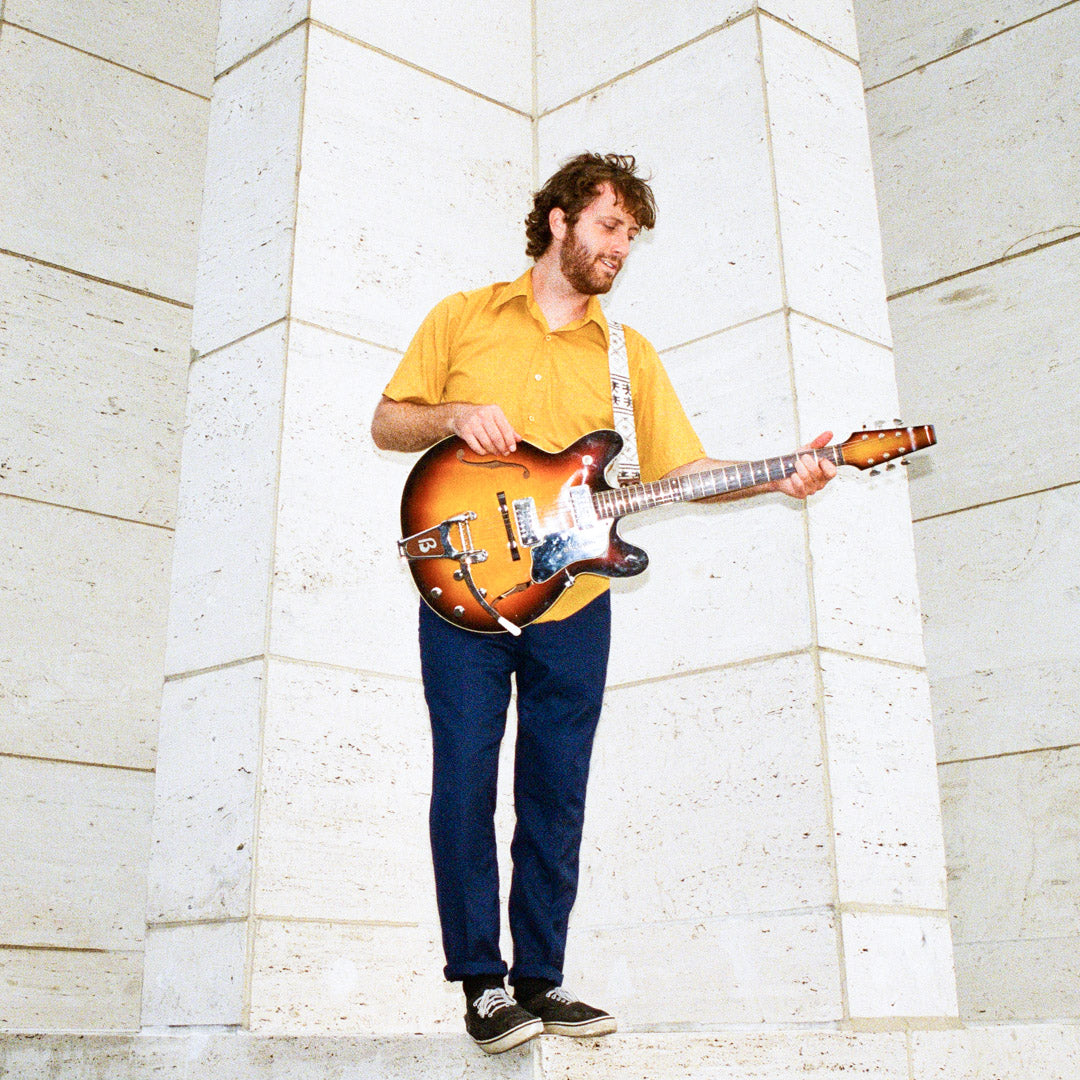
528 360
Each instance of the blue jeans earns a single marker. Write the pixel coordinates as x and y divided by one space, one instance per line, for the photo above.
560 668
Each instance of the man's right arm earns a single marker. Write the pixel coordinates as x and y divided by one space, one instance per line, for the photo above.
408 426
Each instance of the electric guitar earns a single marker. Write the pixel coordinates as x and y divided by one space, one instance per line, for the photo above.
493 540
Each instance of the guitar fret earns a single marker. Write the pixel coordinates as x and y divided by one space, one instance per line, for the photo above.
617 502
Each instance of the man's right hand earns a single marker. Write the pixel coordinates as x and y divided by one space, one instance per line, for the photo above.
484 428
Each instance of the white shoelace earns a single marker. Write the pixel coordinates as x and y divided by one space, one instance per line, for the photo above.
557 993
491 1001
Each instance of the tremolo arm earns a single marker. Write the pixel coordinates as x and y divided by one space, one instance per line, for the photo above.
437 543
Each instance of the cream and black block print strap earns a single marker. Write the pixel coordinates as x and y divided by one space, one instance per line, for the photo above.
627 470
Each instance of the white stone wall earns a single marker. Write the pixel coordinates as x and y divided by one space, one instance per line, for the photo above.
974 123
764 843
103 113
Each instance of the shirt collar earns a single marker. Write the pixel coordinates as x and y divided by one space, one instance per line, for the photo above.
523 287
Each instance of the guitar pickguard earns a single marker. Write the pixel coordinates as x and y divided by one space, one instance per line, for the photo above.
558 550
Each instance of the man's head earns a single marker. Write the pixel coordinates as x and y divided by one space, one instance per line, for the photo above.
576 185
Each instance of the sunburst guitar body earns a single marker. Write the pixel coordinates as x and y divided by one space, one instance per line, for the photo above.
493 540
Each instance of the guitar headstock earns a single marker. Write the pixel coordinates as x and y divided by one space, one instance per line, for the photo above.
872 449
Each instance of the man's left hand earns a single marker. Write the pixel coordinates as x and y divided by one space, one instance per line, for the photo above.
811 473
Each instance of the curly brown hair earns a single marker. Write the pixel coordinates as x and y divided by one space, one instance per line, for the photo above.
576 184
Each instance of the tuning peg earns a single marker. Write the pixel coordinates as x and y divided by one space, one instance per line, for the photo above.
897 421
891 465
903 461
874 472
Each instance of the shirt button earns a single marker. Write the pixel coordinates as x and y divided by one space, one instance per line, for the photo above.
538 377
547 337
532 419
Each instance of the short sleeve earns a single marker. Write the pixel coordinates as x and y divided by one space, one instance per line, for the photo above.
421 375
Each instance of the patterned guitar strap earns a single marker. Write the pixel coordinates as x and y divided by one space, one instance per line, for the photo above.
627 470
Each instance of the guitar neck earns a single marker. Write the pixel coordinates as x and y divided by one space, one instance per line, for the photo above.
724 480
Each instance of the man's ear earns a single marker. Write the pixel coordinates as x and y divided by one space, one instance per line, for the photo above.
557 222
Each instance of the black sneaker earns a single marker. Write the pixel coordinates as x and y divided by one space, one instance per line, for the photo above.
497 1022
563 1014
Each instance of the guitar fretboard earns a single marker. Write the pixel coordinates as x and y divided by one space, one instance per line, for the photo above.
617 502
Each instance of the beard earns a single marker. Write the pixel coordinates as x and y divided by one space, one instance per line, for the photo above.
582 267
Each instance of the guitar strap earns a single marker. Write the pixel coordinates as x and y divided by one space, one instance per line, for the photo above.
627 470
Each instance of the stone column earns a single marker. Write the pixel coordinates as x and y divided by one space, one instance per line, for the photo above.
356 173
764 841
764 844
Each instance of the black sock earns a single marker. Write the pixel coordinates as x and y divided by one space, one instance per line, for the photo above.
526 989
475 985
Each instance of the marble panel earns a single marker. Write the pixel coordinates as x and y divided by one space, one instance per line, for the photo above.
738 559
831 21
487 48
824 184
1008 1052
93 393
228 488
161 38
358 1057
411 188
1001 592
117 1057
345 786
736 389
883 784
898 38
340 978
194 975
843 383
243 27
865 583
107 175
725 766
56 990
954 147
767 969
341 594
1029 980
726 583
696 121
633 34
249 204
898 965
81 620
73 854
1013 838
992 359
208 754
769 1055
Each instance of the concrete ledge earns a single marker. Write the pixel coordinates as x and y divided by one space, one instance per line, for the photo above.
1027 1052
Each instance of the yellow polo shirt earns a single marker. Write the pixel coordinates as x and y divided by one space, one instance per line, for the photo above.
494 346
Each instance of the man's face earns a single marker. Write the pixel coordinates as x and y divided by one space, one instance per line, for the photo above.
597 244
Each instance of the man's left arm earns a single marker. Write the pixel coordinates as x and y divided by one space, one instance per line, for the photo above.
811 474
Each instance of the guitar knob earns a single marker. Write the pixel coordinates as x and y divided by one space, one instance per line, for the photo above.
435 593
458 611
